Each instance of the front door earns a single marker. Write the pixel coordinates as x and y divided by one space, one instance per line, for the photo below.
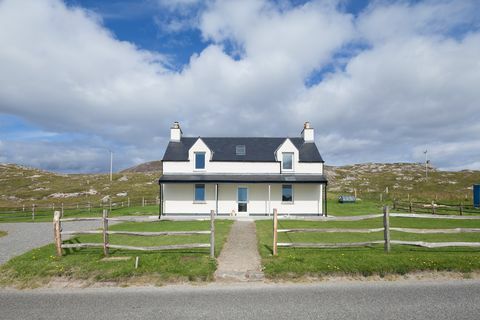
242 200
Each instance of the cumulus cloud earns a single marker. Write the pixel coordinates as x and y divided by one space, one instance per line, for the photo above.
407 78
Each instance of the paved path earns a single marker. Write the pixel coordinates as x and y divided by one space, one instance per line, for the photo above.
379 300
25 236
239 259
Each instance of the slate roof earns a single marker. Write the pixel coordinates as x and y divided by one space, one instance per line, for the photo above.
258 149
250 178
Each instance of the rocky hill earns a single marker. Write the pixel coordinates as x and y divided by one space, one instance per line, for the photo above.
152 166
23 185
401 181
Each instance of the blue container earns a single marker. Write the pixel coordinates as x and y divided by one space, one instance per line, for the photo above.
476 195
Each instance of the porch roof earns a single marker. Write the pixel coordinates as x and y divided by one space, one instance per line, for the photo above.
243 178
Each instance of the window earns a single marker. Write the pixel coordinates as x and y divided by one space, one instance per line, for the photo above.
287 161
287 193
199 192
199 160
240 150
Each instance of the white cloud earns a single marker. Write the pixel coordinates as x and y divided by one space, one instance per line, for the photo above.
416 84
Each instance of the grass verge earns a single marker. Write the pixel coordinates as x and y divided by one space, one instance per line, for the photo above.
3 233
40 266
294 263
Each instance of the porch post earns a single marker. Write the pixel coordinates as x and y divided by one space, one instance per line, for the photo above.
160 202
320 199
162 199
216 199
269 200
325 200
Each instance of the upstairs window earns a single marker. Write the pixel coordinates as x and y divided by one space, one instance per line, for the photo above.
287 193
199 193
240 150
199 160
287 161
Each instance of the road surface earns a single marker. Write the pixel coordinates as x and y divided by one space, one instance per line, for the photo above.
348 300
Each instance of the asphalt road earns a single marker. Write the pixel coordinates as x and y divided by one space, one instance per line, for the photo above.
24 236
367 300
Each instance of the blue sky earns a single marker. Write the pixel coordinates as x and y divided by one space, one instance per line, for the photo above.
380 81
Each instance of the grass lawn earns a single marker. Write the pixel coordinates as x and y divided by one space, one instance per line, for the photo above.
2 233
361 207
298 262
47 215
40 266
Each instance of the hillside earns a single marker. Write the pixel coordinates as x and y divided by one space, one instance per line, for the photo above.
22 185
152 166
401 180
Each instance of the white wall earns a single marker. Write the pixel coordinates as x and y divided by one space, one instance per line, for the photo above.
178 199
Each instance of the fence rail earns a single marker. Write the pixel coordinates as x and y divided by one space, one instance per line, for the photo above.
106 245
33 211
434 207
387 241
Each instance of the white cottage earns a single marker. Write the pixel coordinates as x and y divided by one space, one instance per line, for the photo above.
242 175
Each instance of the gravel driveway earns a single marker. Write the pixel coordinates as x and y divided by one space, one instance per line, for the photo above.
24 236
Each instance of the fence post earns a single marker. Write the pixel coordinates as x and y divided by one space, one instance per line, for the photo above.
461 208
433 207
275 235
89 207
212 233
394 204
143 201
410 207
33 211
386 228
105 232
57 232
62 210
128 202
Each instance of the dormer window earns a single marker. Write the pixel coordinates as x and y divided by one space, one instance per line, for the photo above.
240 150
199 160
287 160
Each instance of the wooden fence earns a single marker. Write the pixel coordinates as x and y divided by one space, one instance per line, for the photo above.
434 207
58 232
47 209
387 241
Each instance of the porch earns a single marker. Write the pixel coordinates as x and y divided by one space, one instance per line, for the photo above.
243 195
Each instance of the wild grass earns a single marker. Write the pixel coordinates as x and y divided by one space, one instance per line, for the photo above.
3 233
40 266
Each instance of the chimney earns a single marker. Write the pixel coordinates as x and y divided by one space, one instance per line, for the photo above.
308 133
175 132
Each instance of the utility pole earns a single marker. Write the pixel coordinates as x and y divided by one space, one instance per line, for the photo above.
111 165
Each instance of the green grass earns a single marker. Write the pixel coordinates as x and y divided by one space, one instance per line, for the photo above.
353 209
47 215
3 233
299 262
39 266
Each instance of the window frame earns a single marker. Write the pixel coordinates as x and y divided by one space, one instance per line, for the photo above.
292 194
195 193
204 160
292 154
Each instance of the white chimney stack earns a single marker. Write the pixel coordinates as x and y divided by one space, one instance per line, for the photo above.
308 133
175 132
